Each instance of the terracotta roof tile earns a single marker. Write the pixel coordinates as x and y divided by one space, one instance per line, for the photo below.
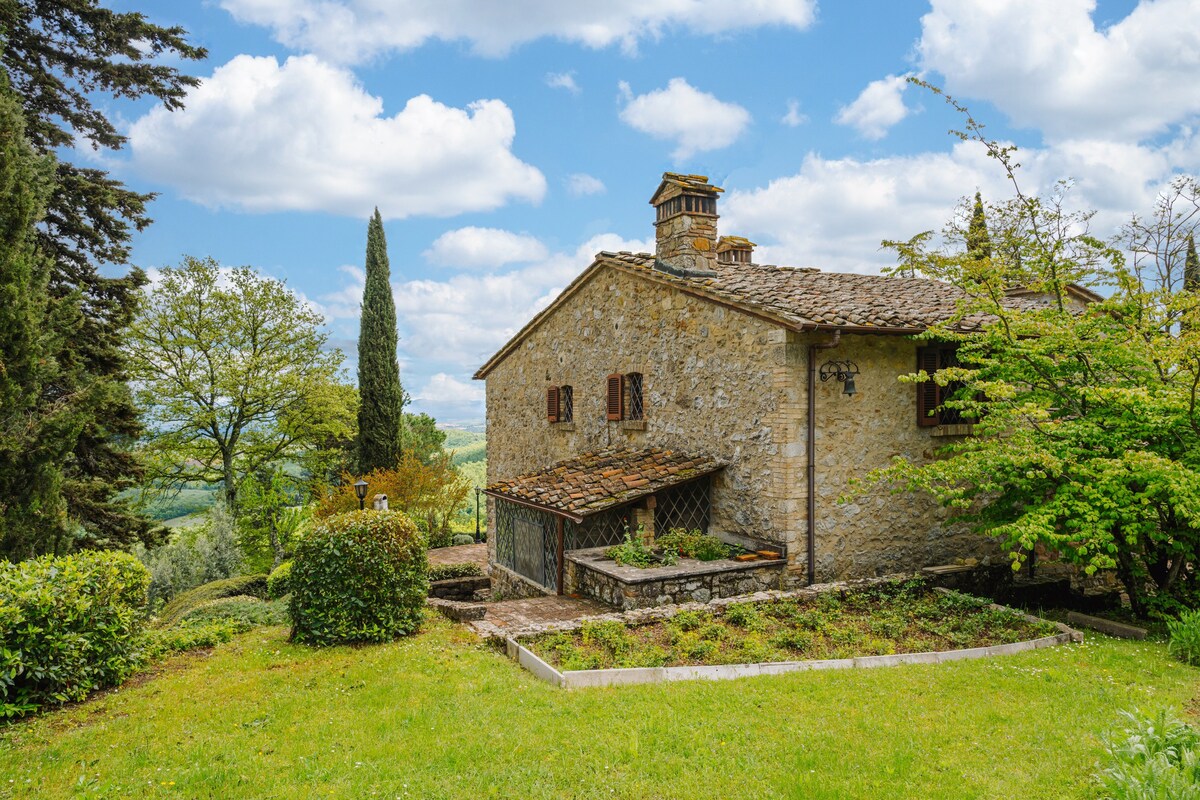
593 482
807 296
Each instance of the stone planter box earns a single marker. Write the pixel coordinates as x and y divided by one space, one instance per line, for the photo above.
591 574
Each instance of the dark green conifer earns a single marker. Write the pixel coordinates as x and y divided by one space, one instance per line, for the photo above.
381 406
1191 267
979 244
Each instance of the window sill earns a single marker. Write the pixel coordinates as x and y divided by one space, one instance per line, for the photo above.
562 426
632 424
962 429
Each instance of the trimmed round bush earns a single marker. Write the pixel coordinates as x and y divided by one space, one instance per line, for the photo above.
462 538
68 626
359 577
279 582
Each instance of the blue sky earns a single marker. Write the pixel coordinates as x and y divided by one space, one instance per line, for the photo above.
505 143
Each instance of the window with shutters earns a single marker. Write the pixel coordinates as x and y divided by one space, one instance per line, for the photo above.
634 408
931 396
614 397
553 404
566 404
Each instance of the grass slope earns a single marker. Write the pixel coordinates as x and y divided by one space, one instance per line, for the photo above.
439 716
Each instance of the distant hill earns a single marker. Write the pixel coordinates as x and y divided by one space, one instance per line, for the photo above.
465 446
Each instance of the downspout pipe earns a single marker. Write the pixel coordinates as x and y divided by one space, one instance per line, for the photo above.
812 450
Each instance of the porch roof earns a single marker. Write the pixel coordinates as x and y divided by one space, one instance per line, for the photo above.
593 482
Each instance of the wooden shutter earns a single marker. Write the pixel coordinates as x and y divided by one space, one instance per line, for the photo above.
928 393
552 406
615 396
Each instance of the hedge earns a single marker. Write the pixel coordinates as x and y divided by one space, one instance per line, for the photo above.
177 609
359 577
68 626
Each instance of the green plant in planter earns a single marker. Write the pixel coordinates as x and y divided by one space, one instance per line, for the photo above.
1185 637
632 552
359 577
693 544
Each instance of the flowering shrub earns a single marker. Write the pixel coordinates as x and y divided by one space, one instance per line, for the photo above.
68 626
359 577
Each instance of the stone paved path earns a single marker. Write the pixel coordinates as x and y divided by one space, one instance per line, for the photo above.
508 617
461 554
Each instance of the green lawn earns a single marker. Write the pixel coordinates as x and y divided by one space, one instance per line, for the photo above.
440 716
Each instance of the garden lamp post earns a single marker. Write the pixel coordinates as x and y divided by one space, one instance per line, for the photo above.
360 491
478 492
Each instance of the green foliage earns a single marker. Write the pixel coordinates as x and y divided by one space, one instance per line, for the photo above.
157 643
208 333
381 412
1185 637
177 609
466 447
67 61
242 611
1086 420
193 556
444 572
359 577
68 626
279 582
422 437
632 552
179 503
693 544
462 538
1153 758
34 440
880 620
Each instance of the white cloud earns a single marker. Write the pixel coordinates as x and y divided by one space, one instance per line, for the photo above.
306 136
833 213
696 121
1047 66
430 314
581 184
793 118
351 30
563 80
476 248
877 108
453 398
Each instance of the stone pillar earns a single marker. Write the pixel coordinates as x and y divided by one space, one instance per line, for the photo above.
643 520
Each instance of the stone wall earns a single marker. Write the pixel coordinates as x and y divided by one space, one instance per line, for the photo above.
583 576
732 386
711 380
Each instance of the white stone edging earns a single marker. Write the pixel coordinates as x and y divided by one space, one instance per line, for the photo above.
591 678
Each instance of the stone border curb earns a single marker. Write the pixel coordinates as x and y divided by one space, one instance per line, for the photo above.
581 679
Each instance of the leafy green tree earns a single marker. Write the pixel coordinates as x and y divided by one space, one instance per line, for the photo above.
62 58
422 437
381 410
234 377
1087 429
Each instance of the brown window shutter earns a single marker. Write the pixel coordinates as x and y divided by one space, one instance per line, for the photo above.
928 393
615 396
552 404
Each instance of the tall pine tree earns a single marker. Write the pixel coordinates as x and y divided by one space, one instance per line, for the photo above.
60 56
381 406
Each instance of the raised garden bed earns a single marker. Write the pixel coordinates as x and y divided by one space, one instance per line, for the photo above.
875 626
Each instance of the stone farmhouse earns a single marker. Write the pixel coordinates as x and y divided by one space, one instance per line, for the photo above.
695 388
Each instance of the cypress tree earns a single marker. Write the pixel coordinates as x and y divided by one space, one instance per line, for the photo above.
1191 267
979 244
34 439
381 397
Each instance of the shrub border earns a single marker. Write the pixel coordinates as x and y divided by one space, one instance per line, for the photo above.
589 678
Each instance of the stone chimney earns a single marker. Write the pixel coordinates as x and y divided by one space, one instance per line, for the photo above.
686 224
734 250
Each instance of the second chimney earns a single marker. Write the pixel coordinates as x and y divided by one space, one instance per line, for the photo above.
686 222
